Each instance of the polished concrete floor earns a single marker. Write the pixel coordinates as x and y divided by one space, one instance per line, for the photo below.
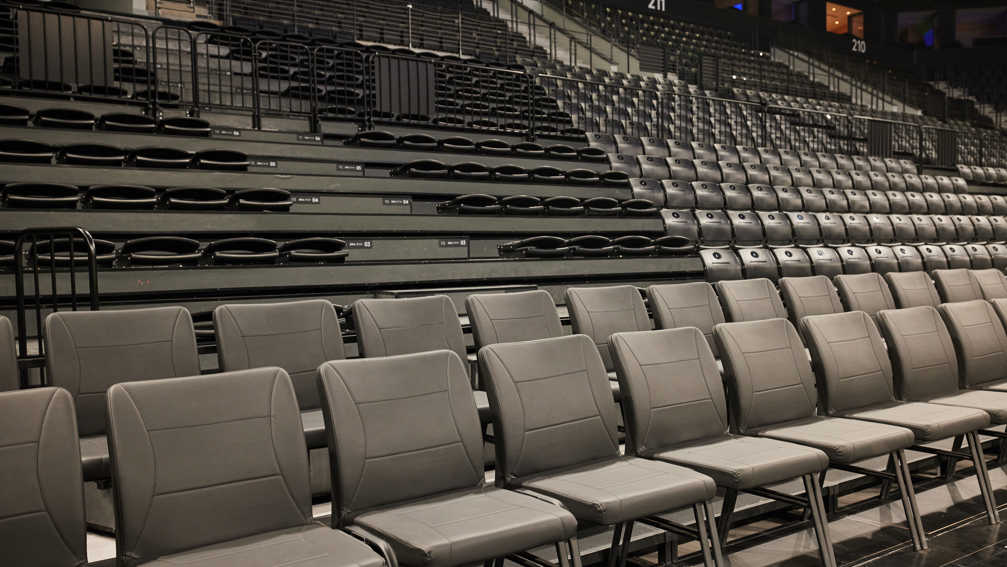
874 537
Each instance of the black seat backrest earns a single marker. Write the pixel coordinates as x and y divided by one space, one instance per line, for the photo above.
653 167
957 257
746 227
877 201
883 259
935 204
709 195
813 199
945 228
925 229
681 169
758 263
788 198
952 203
805 228
840 180
732 172
969 206
736 196
720 264
860 180
793 262
963 225
822 178
681 222
879 182
913 182
678 194
832 228
714 227
979 257
855 259
903 227
857 201
825 261
801 176
897 202
917 203
933 257
707 170
776 228
835 201
756 173
983 228
763 197
857 229
881 229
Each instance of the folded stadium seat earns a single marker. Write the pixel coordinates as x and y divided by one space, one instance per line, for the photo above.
737 196
580 475
681 222
805 229
88 351
686 305
793 262
879 182
979 256
625 164
720 264
673 245
634 245
315 250
809 159
746 227
14 115
982 227
162 157
535 247
475 203
262 199
998 255
780 401
470 170
883 259
703 151
892 165
825 261
121 197
908 166
732 172
913 182
41 195
763 197
727 153
147 425
859 180
945 228
999 226
454 144
748 154
861 163
1001 175
522 205
243 250
679 194
944 184
26 152
645 361
881 229
917 203
769 156
984 206
185 126
826 160
912 289
682 169
934 202
127 122
932 375
877 164
840 180
679 150
835 201
750 300
928 183
58 252
590 245
909 258
560 151
756 173
843 162
426 142
788 198
866 392
601 206
714 227
952 203
867 292
545 174
706 171
495 146
810 295
653 167
777 228
964 227
639 207
857 201
780 175
758 263
92 154
789 158
528 149
832 228
64 118
824 179
897 202
969 205
709 195
812 199
957 284
297 336
801 177
654 147
925 229
958 185
196 198
161 251
44 510
933 257
855 259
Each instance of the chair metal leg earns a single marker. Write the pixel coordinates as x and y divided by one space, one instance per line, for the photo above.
726 510
821 524
574 551
704 541
718 550
499 562
825 520
983 477
563 553
613 551
886 485
908 496
627 534
948 463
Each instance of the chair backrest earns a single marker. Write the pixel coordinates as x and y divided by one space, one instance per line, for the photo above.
400 427
687 305
957 285
600 311
671 389
992 283
850 361
387 327
980 340
923 356
767 371
553 405
511 317
297 336
88 351
750 300
912 289
865 292
42 504
205 459
8 357
811 295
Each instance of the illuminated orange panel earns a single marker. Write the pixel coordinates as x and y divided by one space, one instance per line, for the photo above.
837 19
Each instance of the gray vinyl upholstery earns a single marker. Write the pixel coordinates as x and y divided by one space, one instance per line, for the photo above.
810 295
418 480
992 283
42 502
89 351
773 394
926 365
957 285
687 305
600 311
511 317
676 411
750 300
865 292
912 289
980 341
217 461
855 380
8 357
556 433
296 336
387 327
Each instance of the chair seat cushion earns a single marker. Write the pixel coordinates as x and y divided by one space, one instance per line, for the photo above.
94 460
468 527
930 422
999 386
745 462
304 546
992 402
843 440
622 489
